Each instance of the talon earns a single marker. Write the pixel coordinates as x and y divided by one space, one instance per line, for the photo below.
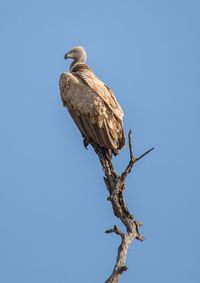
85 143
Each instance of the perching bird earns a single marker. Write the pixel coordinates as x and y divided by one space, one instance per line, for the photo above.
92 105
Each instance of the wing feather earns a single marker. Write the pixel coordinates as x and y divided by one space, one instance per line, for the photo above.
78 122
89 133
99 139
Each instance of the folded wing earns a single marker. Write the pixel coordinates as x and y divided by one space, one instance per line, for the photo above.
93 107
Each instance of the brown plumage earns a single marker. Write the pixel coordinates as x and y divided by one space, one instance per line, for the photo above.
91 104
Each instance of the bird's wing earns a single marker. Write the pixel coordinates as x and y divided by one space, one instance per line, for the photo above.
89 78
95 120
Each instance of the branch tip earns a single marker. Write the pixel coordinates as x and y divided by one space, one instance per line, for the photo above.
130 146
145 153
140 238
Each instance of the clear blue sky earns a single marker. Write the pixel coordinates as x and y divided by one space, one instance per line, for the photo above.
53 208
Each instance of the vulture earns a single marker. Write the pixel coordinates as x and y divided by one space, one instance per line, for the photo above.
92 105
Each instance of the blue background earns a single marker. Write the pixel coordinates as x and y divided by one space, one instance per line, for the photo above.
53 208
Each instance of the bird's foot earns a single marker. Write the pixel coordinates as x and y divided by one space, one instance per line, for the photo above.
86 143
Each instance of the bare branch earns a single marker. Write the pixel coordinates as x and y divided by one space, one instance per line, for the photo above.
116 186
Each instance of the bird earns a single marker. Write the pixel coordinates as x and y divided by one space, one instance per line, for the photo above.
92 105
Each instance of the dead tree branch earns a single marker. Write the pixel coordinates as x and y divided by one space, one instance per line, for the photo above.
116 186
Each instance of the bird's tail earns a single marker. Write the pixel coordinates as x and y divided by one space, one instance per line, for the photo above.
108 153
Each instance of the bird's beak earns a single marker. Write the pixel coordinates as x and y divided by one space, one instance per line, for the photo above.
68 56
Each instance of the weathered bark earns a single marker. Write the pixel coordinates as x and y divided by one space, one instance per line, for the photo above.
116 186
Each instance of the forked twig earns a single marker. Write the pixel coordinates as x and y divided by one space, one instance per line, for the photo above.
132 158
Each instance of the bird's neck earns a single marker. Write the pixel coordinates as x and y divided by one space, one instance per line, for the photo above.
81 59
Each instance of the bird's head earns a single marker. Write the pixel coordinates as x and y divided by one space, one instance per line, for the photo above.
77 53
